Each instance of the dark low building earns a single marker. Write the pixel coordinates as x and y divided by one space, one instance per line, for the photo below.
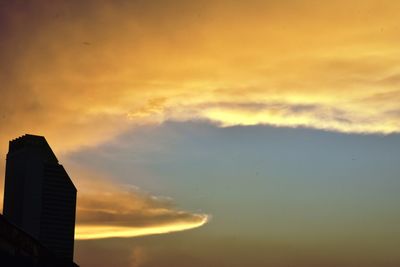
19 249
39 204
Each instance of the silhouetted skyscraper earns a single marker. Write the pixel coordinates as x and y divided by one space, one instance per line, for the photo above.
39 196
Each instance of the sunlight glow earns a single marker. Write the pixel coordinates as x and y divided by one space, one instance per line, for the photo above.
85 232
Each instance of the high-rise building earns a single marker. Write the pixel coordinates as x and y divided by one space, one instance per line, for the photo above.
39 196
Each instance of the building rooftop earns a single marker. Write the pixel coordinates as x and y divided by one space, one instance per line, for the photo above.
31 141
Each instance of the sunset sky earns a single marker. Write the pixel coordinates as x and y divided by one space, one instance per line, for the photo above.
214 133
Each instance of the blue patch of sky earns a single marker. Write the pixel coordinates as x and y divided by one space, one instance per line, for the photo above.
253 175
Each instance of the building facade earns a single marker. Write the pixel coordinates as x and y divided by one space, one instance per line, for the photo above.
39 196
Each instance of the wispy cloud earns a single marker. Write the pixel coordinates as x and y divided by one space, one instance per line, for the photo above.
150 68
106 210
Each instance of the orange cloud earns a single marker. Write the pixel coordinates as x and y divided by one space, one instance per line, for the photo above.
91 71
118 213
106 210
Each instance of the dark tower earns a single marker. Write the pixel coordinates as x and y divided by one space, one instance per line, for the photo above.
39 196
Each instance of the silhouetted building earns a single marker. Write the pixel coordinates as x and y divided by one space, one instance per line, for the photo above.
39 196
18 249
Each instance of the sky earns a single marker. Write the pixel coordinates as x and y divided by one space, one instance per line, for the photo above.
214 133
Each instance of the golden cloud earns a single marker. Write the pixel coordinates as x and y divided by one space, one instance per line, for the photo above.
90 71
106 210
